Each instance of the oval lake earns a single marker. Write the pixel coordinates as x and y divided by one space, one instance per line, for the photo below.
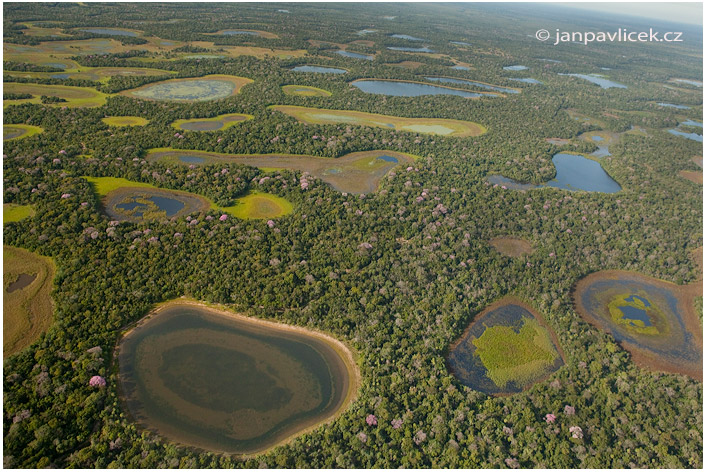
226 383
319 70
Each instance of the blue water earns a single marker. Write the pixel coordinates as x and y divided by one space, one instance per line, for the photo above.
690 82
171 206
408 89
406 36
579 173
596 138
460 43
527 80
632 313
365 31
671 105
692 123
424 49
191 159
604 83
355 55
388 159
203 56
319 70
234 32
515 68
470 82
573 172
109 31
692 136
57 65
460 68
60 76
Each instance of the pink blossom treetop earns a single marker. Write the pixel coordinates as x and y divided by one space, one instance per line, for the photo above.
396 423
97 381
223 217
550 418
371 420
576 432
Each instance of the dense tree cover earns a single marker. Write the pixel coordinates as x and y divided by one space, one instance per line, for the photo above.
399 300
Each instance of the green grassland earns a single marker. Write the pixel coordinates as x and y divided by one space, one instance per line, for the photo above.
74 97
125 121
10 132
11 212
305 91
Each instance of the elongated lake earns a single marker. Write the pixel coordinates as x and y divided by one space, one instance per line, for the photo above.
206 378
409 89
319 70
355 55
450 80
406 49
598 80
110 31
573 172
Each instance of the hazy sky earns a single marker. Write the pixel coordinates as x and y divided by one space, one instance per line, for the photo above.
680 12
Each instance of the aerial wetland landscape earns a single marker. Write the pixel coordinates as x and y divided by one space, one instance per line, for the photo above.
334 235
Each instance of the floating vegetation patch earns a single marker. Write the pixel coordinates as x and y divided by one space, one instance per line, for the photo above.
258 205
654 320
217 123
305 91
440 126
505 350
227 383
210 87
125 121
27 306
10 132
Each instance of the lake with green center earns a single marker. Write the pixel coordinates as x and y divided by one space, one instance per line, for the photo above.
187 90
223 382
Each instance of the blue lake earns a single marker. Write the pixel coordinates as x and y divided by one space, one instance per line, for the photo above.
319 70
171 206
602 82
365 31
408 89
470 82
692 136
573 172
692 123
671 105
526 80
354 55
60 76
388 159
424 49
109 31
632 313
460 68
57 65
407 37
191 159
690 82
596 138
515 68
460 43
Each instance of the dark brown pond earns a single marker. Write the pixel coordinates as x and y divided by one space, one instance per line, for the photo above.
22 281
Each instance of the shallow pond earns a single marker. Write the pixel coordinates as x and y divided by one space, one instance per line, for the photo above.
57 65
187 90
151 204
202 125
203 56
319 70
671 105
573 172
450 80
526 80
692 123
460 67
408 89
690 82
598 80
190 159
405 49
651 318
22 281
237 32
355 55
460 43
12 133
170 206
515 68
504 350
60 76
693 136
109 31
407 37
209 379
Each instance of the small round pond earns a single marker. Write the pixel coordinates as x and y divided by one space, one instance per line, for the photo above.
227 383
505 350
653 319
